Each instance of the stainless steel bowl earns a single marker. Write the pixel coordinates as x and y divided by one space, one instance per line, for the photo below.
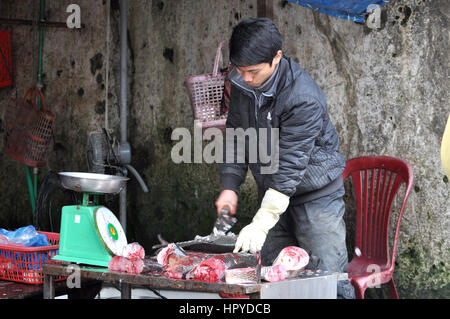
92 183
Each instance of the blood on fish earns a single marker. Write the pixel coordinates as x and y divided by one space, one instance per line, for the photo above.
133 251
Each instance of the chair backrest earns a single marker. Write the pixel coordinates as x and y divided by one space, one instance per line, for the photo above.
376 180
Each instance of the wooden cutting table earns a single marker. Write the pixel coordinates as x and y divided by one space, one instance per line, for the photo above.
307 286
15 290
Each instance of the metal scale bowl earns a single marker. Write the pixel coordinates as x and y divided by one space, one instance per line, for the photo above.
90 234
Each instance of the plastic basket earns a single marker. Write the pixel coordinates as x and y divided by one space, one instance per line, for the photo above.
205 93
24 264
5 59
29 131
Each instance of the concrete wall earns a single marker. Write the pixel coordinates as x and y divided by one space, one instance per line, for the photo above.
387 95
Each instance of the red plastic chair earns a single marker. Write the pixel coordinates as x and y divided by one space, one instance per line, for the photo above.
376 180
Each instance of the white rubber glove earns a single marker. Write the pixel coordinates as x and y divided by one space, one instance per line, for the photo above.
252 237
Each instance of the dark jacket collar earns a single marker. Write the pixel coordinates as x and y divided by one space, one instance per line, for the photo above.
280 78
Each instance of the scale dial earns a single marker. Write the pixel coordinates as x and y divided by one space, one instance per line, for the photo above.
110 231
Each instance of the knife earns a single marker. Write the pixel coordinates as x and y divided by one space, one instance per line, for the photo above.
224 222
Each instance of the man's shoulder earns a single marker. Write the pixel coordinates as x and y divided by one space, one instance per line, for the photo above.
299 76
300 86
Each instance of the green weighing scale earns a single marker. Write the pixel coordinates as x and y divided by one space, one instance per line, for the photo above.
90 234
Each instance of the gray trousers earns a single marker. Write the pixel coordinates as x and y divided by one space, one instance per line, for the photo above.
319 228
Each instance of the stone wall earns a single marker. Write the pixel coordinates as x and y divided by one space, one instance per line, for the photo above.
387 94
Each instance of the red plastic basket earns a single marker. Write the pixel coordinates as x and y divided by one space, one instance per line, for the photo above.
24 264
205 93
29 131
5 59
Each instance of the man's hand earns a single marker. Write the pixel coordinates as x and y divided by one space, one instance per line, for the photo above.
227 198
252 237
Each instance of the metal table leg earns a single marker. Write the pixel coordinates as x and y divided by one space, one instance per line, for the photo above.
49 287
125 291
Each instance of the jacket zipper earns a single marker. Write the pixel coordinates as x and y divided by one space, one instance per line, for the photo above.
257 106
257 102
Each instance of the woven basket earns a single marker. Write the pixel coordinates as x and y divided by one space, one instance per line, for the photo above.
206 93
29 131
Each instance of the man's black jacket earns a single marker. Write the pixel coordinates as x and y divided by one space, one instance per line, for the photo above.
309 158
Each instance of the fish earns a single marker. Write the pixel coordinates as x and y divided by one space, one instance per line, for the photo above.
170 254
210 270
122 264
180 264
247 275
131 261
292 258
133 251
290 262
274 273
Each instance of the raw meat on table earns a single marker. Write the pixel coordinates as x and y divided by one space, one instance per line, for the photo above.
201 266
133 251
274 273
151 266
170 254
119 264
179 268
137 266
292 258
246 275
122 264
211 270
289 263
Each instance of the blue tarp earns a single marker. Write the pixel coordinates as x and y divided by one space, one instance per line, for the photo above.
352 10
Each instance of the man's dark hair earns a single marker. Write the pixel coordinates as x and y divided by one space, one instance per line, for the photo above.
254 41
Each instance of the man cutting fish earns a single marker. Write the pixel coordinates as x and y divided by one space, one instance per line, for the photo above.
301 202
